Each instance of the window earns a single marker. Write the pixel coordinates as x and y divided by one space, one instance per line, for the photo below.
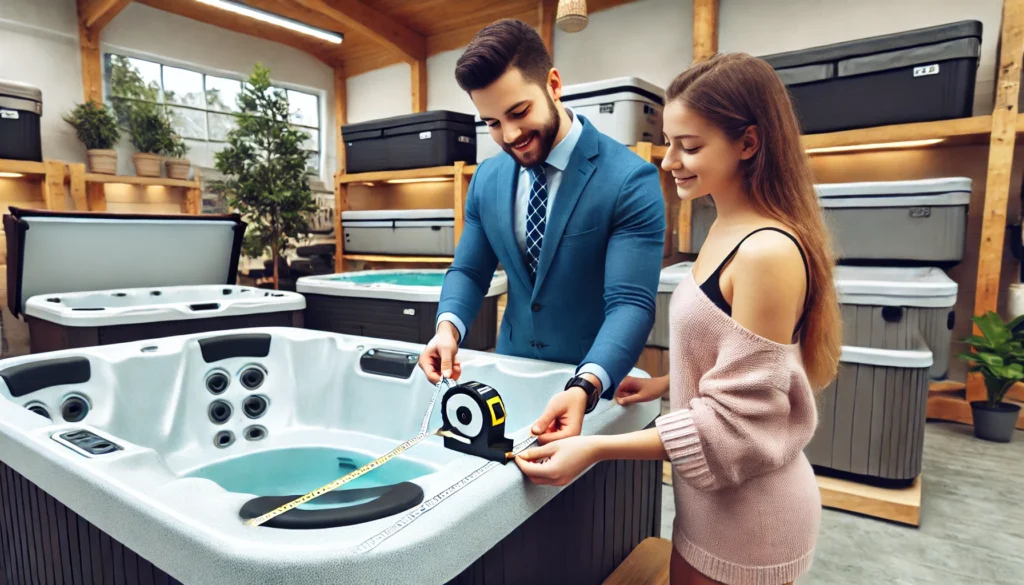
203 107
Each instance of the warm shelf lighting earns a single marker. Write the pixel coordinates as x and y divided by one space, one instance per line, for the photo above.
6 175
274 19
422 180
875 146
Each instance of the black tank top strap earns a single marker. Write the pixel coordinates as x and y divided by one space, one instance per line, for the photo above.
712 287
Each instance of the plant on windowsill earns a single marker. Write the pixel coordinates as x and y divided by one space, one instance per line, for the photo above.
177 165
149 129
97 129
999 356
264 168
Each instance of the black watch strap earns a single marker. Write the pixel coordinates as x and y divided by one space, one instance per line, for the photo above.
593 394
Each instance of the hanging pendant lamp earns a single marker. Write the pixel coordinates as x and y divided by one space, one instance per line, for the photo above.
572 15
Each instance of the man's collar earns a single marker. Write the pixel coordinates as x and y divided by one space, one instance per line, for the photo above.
562 152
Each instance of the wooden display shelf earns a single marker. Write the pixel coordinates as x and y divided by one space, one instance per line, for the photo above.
89 194
387 258
447 172
459 174
50 175
26 168
947 400
144 181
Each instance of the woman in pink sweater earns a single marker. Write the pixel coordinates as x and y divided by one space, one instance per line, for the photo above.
755 333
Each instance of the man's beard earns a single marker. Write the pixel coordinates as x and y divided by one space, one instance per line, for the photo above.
545 137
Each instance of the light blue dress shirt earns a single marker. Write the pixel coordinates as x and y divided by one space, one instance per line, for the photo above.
557 161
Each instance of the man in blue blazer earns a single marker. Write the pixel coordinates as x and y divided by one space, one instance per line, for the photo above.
576 220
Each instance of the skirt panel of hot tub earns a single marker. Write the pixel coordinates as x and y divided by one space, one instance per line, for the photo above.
43 541
48 336
407 321
871 425
580 536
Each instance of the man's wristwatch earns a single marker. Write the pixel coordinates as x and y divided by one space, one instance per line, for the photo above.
593 394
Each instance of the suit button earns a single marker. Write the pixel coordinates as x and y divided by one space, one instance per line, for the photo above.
535 307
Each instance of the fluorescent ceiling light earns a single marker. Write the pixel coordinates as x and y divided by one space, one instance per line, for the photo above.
6 175
274 19
876 146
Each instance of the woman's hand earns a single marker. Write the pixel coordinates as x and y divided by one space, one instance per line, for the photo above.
640 389
560 462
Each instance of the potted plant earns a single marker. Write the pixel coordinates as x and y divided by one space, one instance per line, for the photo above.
265 171
999 356
150 131
177 165
96 127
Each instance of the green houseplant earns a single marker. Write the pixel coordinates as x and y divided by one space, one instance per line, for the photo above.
264 167
149 129
97 129
999 356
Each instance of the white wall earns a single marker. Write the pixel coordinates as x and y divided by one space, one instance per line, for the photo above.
39 45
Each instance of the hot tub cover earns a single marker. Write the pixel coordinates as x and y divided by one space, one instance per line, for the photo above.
55 252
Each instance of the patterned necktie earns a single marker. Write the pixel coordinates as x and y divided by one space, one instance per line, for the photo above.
536 218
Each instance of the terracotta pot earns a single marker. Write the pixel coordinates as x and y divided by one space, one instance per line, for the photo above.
147 165
102 161
178 168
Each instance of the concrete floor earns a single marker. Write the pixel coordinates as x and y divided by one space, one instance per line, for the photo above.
972 522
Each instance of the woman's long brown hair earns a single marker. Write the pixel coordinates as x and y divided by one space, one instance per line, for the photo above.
733 92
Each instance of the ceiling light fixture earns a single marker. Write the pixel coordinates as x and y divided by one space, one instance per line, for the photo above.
274 19
6 175
875 146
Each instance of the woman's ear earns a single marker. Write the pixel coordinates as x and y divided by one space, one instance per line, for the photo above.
750 142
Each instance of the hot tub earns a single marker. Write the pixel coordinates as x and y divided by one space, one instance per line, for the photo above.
85 279
132 463
393 304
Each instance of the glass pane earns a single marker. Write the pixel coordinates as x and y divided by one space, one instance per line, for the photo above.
184 87
313 162
304 108
222 94
134 78
188 123
220 125
312 141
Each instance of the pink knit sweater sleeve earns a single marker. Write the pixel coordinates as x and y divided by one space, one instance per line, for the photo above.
753 412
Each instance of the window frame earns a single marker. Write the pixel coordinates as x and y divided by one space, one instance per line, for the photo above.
321 95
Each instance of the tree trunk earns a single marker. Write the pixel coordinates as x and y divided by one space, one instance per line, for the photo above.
277 278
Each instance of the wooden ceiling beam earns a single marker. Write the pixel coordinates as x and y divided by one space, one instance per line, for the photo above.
705 29
547 10
97 14
371 23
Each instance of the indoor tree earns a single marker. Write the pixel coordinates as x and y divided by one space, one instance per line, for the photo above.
264 168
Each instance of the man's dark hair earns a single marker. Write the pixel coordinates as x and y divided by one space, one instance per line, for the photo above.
503 44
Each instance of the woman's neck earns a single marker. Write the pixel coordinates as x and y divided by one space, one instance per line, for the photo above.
733 206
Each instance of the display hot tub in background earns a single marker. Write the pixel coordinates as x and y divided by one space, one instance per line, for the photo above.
83 279
393 304
131 463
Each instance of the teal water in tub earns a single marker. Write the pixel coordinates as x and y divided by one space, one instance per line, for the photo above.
298 471
397 279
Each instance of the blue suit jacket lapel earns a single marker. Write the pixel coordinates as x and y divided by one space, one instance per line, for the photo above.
574 179
505 199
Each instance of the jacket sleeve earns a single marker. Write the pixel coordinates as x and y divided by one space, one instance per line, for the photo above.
632 269
744 422
469 276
